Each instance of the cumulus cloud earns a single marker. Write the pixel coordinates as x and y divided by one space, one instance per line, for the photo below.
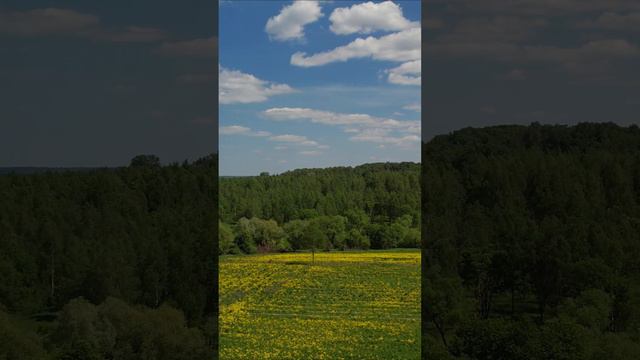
238 87
409 73
191 48
290 22
368 17
401 46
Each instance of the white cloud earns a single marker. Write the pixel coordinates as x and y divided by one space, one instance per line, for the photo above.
409 73
365 128
289 23
242 130
368 17
382 136
261 133
340 119
234 130
294 139
238 87
414 107
310 153
401 46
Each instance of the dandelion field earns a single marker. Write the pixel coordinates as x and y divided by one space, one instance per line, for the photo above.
346 305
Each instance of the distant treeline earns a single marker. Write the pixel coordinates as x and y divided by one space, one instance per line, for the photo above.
369 206
143 234
532 243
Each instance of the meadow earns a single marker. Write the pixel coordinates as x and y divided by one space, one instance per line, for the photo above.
343 305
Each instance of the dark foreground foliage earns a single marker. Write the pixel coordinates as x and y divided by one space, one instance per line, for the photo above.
532 243
144 234
111 330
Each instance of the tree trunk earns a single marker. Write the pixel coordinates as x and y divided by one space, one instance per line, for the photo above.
442 335
513 302
53 275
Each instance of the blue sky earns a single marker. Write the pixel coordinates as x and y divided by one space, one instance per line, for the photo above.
495 62
317 84
95 83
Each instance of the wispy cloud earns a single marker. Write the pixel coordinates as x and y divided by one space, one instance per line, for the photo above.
289 139
242 130
351 121
413 107
384 136
310 152
294 139
365 127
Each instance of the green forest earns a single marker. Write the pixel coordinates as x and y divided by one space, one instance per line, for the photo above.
372 206
109 263
531 243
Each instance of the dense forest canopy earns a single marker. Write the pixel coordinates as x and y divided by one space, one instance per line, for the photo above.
142 236
368 206
532 243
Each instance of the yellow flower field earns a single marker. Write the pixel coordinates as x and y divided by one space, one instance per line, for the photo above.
346 305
